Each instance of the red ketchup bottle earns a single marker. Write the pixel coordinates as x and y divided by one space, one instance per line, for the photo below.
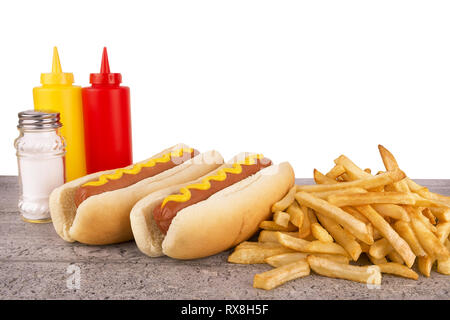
107 120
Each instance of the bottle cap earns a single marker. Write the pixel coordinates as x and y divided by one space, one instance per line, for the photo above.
56 76
31 119
105 76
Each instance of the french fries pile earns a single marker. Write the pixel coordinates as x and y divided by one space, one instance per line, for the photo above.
323 227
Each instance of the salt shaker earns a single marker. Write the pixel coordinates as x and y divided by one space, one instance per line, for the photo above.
40 155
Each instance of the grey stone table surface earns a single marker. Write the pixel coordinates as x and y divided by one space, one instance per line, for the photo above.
36 264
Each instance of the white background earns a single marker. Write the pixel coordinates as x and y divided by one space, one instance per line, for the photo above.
302 81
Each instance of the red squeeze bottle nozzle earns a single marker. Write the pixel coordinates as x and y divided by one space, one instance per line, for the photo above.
105 77
105 63
107 121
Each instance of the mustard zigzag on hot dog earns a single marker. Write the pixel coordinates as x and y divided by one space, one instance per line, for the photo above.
221 175
137 167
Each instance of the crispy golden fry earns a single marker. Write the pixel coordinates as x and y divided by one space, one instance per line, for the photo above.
335 172
404 230
364 247
271 225
376 260
376 234
353 225
414 187
320 233
253 255
425 264
388 158
443 231
443 266
397 242
271 236
353 171
360 199
430 243
305 229
380 248
257 245
296 214
367 170
392 210
281 218
398 270
320 178
325 194
442 214
342 237
275 277
312 216
328 268
355 213
286 201
285 258
395 257
310 246
428 214
416 212
366 183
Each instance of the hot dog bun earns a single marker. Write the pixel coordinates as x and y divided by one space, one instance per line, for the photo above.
104 218
225 219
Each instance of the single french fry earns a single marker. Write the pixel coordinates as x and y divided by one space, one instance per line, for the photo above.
380 248
342 237
364 247
376 260
286 201
335 172
333 257
312 216
443 266
367 170
305 229
325 194
392 210
415 212
398 270
425 264
395 257
428 214
366 183
353 225
310 246
321 233
255 255
281 218
442 214
404 230
443 231
328 268
296 214
355 213
430 243
285 258
390 163
397 242
257 245
360 199
271 236
271 225
275 277
320 178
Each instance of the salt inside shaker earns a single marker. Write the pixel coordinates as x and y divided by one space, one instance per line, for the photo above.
40 155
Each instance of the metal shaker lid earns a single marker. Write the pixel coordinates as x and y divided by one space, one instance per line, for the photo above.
31 119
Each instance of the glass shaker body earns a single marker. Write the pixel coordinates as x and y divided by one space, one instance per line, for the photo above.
40 156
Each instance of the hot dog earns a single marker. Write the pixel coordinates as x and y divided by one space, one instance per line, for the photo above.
212 213
95 209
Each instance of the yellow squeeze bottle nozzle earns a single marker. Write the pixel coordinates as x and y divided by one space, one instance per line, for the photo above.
58 94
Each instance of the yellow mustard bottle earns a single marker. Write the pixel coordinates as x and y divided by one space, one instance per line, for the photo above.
58 94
